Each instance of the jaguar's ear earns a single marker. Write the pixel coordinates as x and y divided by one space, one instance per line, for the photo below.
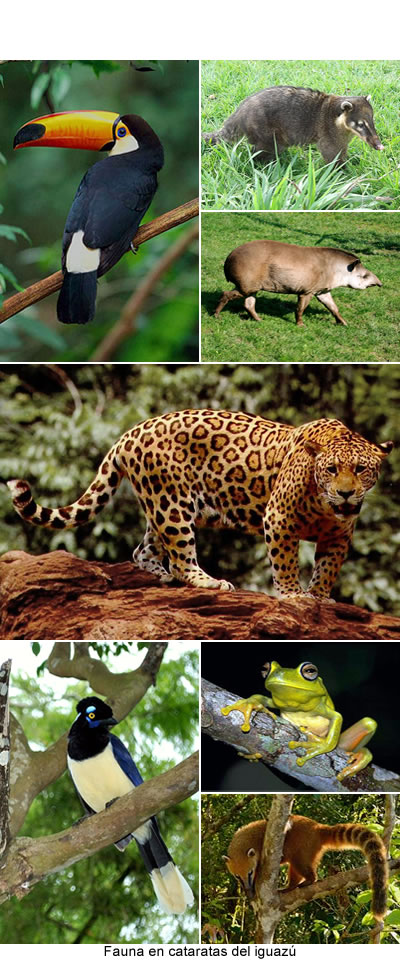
385 448
313 447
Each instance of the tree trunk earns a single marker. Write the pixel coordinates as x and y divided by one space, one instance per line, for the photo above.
4 755
59 596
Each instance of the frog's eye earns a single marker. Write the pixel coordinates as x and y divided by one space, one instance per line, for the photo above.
265 671
309 671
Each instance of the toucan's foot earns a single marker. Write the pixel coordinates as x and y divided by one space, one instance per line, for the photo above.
111 801
133 248
82 819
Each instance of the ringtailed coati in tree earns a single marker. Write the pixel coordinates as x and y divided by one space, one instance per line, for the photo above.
280 117
305 843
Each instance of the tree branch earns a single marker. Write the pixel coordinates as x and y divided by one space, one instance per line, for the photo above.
125 326
42 289
30 860
269 737
324 887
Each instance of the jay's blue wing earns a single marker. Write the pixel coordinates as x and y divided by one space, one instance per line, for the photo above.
124 759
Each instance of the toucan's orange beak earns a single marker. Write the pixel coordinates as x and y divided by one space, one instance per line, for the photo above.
83 129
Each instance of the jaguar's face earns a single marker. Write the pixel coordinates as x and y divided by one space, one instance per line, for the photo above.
345 472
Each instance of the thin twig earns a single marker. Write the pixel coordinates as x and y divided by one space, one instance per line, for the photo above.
42 289
125 325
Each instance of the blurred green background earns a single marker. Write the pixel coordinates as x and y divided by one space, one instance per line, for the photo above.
55 433
37 188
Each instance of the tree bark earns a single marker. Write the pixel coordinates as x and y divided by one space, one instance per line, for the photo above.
60 596
267 904
269 739
5 670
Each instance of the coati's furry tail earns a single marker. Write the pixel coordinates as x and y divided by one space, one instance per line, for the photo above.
355 836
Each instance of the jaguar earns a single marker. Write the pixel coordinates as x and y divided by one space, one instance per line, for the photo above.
222 468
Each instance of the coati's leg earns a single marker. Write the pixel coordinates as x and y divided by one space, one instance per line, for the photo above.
149 555
299 877
265 150
250 305
329 303
227 296
302 304
332 147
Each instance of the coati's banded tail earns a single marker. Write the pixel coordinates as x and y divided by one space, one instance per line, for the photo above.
355 836
101 490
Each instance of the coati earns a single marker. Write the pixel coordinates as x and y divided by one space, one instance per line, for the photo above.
280 117
305 843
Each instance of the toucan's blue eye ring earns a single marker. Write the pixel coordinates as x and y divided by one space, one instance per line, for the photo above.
121 132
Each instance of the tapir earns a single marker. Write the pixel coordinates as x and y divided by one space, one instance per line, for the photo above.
292 269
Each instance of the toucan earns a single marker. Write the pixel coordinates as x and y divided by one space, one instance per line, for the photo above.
110 201
102 769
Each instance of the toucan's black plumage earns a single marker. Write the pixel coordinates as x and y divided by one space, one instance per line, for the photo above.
102 769
109 204
110 201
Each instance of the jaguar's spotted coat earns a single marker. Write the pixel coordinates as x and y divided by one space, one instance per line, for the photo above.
226 468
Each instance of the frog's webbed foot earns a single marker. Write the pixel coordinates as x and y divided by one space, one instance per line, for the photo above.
356 761
254 703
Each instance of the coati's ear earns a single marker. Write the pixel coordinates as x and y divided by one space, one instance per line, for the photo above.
386 448
313 447
225 858
346 105
251 852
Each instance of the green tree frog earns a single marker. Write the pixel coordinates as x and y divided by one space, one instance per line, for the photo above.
302 698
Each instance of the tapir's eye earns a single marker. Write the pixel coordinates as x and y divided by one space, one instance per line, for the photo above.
91 715
121 131
332 469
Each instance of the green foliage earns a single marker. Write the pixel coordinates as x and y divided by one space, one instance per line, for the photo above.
38 187
372 333
58 449
231 178
336 918
109 897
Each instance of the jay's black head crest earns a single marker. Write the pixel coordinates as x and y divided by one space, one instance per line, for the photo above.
93 708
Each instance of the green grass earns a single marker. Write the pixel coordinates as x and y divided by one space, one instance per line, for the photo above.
299 179
373 332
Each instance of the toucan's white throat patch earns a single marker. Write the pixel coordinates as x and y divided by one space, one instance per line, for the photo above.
81 259
123 145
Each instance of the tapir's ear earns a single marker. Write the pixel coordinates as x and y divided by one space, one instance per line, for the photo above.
350 267
346 105
313 447
386 448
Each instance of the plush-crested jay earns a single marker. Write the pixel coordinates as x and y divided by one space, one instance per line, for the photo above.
102 769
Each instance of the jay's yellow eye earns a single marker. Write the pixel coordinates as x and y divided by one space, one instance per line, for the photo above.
92 715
